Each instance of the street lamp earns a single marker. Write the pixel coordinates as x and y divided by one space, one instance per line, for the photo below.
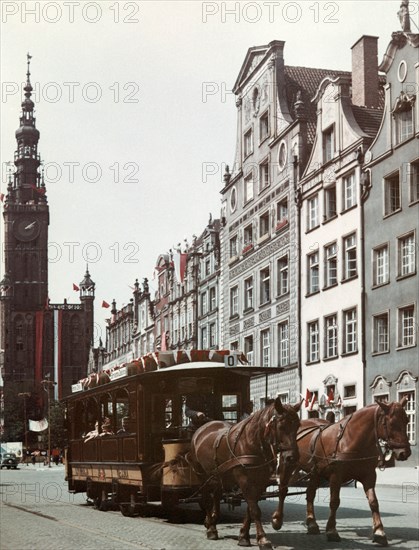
47 384
25 395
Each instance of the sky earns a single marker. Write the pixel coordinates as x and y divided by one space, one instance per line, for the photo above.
137 118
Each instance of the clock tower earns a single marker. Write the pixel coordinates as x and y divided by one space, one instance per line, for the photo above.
38 340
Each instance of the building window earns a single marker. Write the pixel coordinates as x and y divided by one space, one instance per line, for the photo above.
331 336
392 200
330 265
264 126
248 293
266 348
282 214
381 333
313 212
212 335
234 301
381 274
329 202
264 224
207 267
328 144
313 342
282 287
406 332
204 338
349 192
404 124
414 182
248 143
265 286
233 246
234 346
283 343
349 331
349 257
248 188
406 255
248 349
248 234
411 415
212 298
204 304
349 391
264 175
313 273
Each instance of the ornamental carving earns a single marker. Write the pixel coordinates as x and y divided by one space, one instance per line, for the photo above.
259 255
283 307
235 329
249 323
265 315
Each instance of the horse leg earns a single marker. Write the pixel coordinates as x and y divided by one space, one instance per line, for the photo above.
244 535
255 514
312 527
284 477
379 535
335 484
212 508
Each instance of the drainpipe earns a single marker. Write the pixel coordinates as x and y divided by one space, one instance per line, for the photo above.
297 198
365 179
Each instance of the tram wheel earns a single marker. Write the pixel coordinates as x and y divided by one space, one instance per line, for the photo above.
130 509
101 502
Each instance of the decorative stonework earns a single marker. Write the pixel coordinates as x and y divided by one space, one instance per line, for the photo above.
249 323
235 329
283 307
260 255
265 315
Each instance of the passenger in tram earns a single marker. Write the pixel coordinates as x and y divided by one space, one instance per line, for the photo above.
124 427
200 406
93 433
106 427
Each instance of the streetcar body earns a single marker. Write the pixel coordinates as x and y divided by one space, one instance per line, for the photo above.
144 463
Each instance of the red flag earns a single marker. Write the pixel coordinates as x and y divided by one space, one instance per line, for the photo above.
105 304
39 190
330 396
179 261
307 399
312 401
2 195
75 287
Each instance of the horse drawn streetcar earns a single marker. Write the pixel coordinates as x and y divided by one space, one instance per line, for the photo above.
144 418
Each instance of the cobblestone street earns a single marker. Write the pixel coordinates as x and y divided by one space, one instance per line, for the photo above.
38 512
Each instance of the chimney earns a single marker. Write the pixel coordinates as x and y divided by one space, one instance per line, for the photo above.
365 72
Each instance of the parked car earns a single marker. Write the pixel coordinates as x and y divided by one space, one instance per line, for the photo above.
9 461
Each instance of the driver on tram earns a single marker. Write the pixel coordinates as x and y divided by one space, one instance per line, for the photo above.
200 406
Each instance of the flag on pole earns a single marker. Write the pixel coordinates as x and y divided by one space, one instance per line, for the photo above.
330 396
2 195
75 287
179 262
105 304
38 425
307 398
312 401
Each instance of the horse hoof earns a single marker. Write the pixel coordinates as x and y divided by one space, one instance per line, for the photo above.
380 539
276 524
333 536
313 529
212 535
244 542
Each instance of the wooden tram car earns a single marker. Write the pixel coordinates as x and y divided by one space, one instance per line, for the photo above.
141 465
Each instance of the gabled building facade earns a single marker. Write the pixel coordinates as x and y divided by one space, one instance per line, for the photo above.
348 116
391 233
260 265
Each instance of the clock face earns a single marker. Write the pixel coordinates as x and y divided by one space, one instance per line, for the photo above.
26 229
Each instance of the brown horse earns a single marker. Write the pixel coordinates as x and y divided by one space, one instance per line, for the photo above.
348 450
243 455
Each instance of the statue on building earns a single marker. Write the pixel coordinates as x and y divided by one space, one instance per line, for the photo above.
404 16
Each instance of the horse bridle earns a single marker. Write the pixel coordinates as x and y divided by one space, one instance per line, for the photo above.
384 445
269 427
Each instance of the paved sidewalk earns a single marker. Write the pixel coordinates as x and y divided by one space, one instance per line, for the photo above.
399 475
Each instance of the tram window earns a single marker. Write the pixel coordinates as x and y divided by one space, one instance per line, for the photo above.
78 420
106 409
122 408
90 416
230 407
